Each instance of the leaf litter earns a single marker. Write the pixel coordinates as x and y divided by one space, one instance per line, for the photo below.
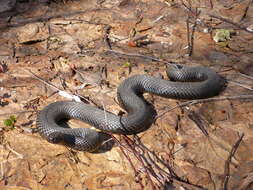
84 49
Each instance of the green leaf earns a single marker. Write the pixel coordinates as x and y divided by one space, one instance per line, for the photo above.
222 35
13 118
8 123
127 64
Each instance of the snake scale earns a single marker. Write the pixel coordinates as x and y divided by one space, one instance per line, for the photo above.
186 83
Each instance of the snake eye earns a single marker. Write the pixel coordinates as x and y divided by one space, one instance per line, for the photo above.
55 138
179 66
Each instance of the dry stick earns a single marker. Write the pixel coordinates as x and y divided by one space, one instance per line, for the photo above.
201 124
121 147
231 22
211 4
188 34
106 37
143 148
227 163
129 141
137 55
241 85
190 37
41 80
193 102
18 112
246 10
143 160
127 157
172 175
157 175
190 10
246 76
225 70
160 170
59 91
82 21
161 161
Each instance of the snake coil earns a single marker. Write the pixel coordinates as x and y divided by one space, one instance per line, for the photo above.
187 83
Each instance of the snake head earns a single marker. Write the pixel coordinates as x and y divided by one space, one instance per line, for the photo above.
55 138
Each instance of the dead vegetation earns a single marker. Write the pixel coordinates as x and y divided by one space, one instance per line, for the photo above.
83 49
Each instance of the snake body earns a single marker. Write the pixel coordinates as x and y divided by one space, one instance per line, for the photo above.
187 83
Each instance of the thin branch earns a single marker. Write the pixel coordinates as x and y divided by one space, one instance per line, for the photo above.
127 157
119 53
246 10
239 26
193 102
42 80
211 4
241 85
227 163
169 176
246 76
106 36
137 155
200 122
60 92
190 35
18 112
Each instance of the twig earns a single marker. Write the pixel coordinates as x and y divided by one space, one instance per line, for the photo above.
200 122
81 21
60 92
190 36
5 160
137 55
127 157
18 112
241 85
150 166
211 4
189 8
193 102
42 80
227 163
246 10
106 36
170 176
136 154
246 76
239 26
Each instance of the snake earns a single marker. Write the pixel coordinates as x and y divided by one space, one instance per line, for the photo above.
185 83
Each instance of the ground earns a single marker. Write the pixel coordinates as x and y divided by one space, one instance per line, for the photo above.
87 48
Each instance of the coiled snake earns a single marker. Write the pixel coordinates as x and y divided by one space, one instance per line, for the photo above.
191 83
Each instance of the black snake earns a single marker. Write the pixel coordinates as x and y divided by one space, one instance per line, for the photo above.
191 83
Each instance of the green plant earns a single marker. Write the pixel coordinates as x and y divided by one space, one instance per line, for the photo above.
10 122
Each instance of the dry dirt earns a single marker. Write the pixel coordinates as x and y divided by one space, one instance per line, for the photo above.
67 43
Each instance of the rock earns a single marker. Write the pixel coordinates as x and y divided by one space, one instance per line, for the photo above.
34 32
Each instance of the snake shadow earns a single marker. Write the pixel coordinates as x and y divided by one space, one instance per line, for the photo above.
107 145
